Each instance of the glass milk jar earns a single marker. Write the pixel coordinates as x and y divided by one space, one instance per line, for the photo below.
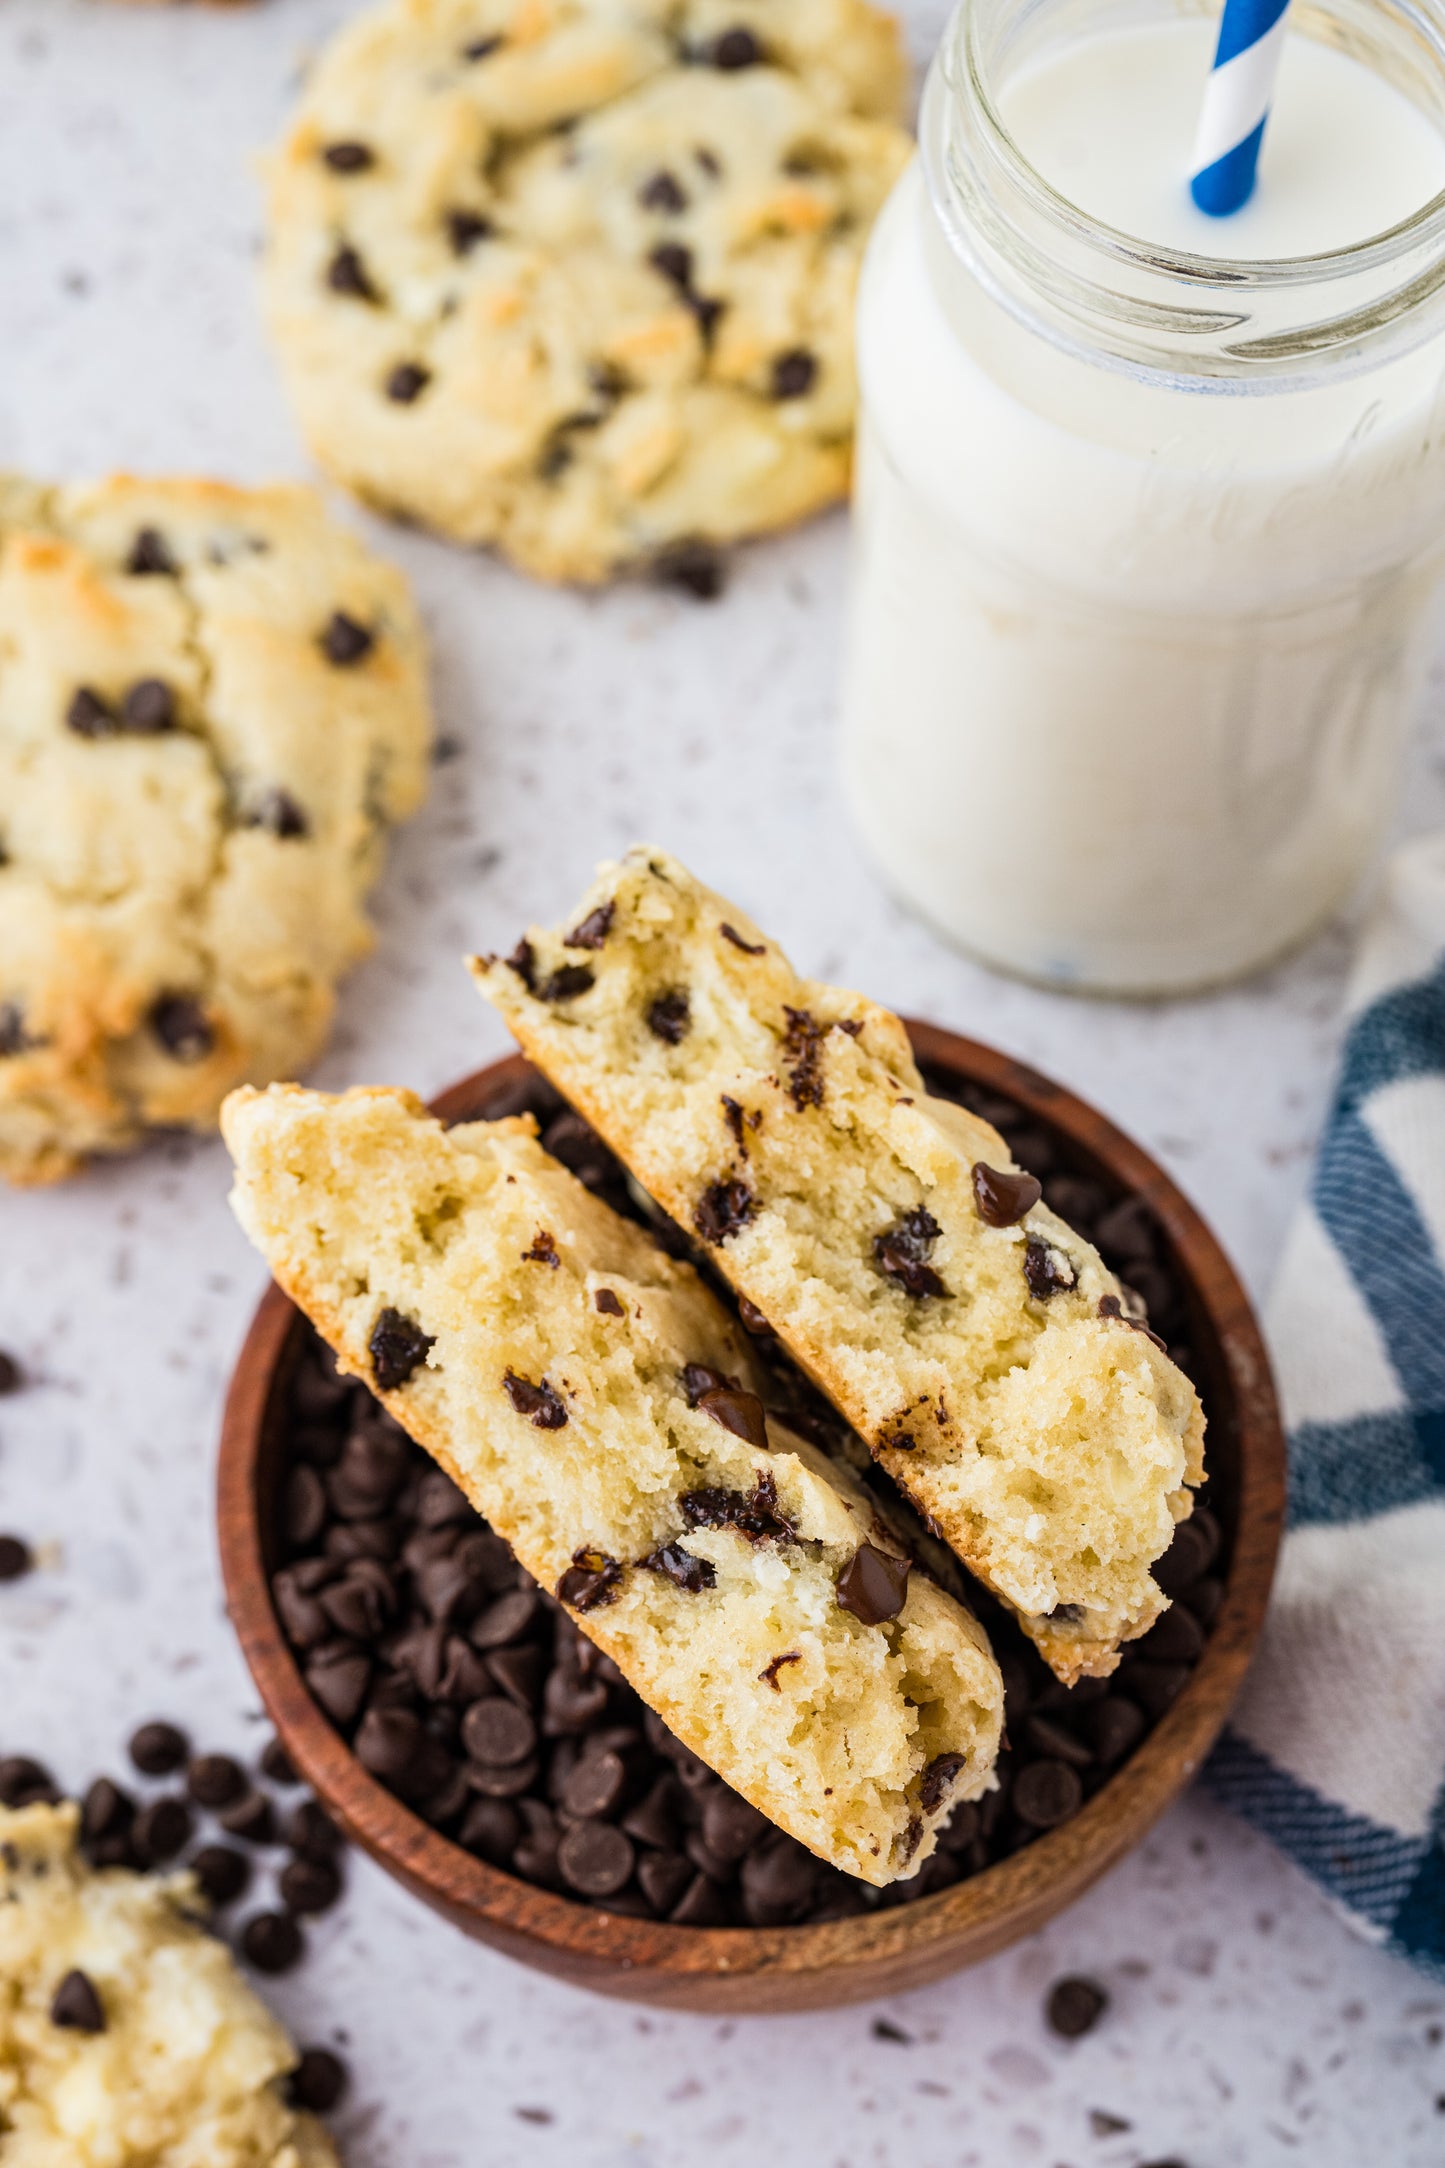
1148 539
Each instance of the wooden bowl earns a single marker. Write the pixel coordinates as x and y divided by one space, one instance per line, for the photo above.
809 1967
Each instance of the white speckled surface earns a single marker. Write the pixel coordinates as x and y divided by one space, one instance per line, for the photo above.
1247 2028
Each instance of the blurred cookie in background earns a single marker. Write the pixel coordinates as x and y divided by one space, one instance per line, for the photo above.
577 279
213 706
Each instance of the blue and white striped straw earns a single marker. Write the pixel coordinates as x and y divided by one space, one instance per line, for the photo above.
1236 104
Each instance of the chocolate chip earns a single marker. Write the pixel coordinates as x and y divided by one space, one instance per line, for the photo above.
303 1512
349 157
1047 1271
180 1023
498 1731
26 1783
938 1780
276 1763
161 1829
1075 2006
873 1585
723 1210
106 1811
466 228
680 1567
340 1682
775 1664
779 1880
734 49
90 715
1190 1554
608 1303
902 1251
663 1877
596 1786
674 261
1050 1736
309 1886
222 1873
272 1942
1114 1726
12 1377
592 931
1046 1793
756 1515
214 1780
731 1825
566 983
406 383
670 1017
662 191
16 1558
595 1859
794 373
158 1749
1002 1196
590 1581
1156 1687
77 2006
1204 1598
317 2083
311 1832
696 567
345 640
482 48
347 274
739 1412
397 1347
277 812
148 709
149 554
1176 1638
251 1818
539 1403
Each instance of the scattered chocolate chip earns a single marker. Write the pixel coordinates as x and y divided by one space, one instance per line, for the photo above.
590 1581
26 1783
12 1377
680 1567
214 1780
693 565
16 1558
278 813
309 1886
873 1585
349 157
310 1831
902 1251
1002 1196
317 2083
222 1873
669 1017
1075 2006
723 1210
752 1319
14 1038
251 1818
739 1412
406 383
347 274
149 554
794 373
734 49
180 1023
161 1830
271 1941
106 1811
608 1303
77 2005
397 1347
276 1763
1047 1271
345 640
1046 1793
159 1749
539 1403
148 709
592 931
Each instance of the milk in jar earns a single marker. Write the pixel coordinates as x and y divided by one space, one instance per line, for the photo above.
1150 513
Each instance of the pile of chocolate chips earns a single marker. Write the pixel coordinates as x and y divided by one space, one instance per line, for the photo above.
139 1825
467 1690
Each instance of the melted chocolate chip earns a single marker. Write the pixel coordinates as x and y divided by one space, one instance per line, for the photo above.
543 1251
700 1378
802 1046
734 49
775 1664
278 813
1047 1270
873 1585
670 1017
1111 1306
397 1347
679 1566
90 715
1001 1196
182 1026
739 1412
349 157
749 948
345 640
756 1514
590 1581
77 2006
538 1403
752 1320
149 554
938 1780
693 565
406 383
566 983
608 1303
592 931
723 1209
902 1251
794 373
347 274
466 228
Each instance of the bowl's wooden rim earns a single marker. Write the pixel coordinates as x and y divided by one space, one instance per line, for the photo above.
796 1967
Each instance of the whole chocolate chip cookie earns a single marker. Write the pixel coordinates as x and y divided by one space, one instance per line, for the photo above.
577 279
212 706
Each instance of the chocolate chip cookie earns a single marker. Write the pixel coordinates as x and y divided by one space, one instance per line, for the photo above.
212 707
577 279
978 1344
594 1400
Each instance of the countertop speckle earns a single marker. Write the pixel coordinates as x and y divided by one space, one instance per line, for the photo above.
1246 2027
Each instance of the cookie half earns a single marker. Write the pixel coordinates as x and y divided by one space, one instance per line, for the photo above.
601 1410
212 708
979 1346
576 278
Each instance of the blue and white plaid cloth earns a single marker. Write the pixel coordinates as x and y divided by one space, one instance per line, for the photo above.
1337 1748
